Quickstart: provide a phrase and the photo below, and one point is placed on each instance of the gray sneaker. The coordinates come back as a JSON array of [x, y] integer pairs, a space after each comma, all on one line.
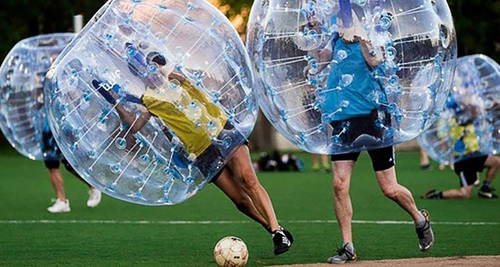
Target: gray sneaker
[[424, 233], [344, 255]]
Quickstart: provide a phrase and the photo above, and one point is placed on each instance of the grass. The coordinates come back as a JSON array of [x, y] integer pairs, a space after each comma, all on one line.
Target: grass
[[25, 193]]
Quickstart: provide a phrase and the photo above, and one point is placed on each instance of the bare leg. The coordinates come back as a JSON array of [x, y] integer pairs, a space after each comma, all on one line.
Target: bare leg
[[424, 158], [242, 201], [462, 193], [326, 162], [315, 162], [493, 164], [243, 172], [400, 194], [342, 171], [442, 167], [57, 182]]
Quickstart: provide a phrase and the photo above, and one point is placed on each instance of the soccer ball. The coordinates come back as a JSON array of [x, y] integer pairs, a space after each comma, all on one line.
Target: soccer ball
[[231, 251]]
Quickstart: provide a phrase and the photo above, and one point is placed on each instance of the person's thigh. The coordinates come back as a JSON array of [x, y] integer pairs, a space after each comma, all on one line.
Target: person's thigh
[[240, 164], [492, 161], [382, 158], [229, 186]]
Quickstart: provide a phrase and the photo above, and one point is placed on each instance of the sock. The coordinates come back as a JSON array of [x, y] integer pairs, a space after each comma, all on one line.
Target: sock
[[439, 195], [420, 222], [349, 247]]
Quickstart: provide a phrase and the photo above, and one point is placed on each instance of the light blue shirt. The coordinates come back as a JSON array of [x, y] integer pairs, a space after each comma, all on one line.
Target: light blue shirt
[[351, 90]]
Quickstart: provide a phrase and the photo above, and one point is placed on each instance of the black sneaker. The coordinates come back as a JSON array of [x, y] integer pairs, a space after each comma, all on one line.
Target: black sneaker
[[426, 167], [432, 194], [486, 192], [282, 240], [344, 255], [425, 234], [287, 234]]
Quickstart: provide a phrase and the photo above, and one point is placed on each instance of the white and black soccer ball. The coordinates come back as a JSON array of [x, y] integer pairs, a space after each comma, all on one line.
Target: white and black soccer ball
[[231, 251]]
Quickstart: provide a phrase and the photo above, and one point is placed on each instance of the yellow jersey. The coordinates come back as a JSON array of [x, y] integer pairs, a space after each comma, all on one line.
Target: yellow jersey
[[189, 113]]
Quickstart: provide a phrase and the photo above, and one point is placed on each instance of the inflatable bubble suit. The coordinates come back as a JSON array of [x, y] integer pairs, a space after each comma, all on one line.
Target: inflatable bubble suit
[[151, 98], [470, 124], [22, 116], [338, 76]]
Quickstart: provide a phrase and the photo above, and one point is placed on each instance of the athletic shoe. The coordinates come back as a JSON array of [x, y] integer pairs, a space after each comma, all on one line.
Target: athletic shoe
[[94, 198], [344, 255], [432, 194], [424, 233], [288, 235], [426, 167], [282, 241], [486, 192], [59, 207]]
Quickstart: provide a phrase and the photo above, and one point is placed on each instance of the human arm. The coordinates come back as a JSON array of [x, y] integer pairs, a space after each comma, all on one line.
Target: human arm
[[370, 56], [136, 121]]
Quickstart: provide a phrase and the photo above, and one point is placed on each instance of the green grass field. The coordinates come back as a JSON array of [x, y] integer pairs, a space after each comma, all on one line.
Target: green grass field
[[25, 193]]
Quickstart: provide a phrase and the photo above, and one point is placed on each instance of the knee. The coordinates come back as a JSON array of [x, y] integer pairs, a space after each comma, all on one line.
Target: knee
[[341, 185], [466, 192]]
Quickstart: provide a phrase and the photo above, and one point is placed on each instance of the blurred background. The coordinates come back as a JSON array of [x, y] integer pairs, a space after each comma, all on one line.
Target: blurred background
[[477, 23]]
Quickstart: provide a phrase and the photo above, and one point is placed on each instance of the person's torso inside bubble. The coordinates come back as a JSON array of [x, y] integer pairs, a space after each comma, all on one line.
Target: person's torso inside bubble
[[152, 99], [470, 123], [341, 76], [22, 114]]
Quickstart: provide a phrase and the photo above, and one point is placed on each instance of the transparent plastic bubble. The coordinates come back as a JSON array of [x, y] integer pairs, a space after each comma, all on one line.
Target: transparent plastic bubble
[[382, 67], [151, 131], [470, 124], [22, 114]]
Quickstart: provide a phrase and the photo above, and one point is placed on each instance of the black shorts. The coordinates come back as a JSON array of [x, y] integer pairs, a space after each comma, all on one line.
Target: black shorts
[[223, 168], [55, 164], [382, 158], [468, 169], [361, 125]]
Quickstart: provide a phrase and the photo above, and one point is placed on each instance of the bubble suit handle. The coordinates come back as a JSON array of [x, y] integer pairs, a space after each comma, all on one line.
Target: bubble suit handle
[[337, 76], [470, 124], [22, 114], [151, 98]]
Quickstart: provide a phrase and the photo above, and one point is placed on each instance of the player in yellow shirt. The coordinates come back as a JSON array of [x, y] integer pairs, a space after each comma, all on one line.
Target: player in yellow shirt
[[183, 110], [469, 163]]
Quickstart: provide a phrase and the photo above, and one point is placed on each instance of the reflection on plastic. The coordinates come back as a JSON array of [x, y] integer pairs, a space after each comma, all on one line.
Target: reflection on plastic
[[151, 98], [338, 76], [470, 124], [22, 116]]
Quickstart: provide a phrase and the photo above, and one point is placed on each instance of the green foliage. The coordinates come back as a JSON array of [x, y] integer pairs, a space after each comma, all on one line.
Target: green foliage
[[21, 19], [477, 23]]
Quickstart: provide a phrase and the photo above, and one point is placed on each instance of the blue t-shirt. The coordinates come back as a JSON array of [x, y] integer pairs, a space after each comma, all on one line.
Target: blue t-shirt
[[351, 90]]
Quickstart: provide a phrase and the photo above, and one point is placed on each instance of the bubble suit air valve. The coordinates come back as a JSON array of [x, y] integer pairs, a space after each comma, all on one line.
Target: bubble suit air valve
[[22, 114], [470, 124], [151, 98], [338, 76]]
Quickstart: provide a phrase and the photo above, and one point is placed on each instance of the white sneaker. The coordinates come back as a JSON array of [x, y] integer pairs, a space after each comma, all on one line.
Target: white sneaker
[[59, 206], [94, 198]]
